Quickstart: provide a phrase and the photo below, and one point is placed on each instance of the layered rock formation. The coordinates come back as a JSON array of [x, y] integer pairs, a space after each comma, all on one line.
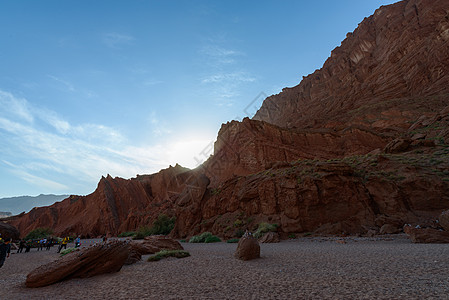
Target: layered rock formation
[[396, 56], [359, 145]]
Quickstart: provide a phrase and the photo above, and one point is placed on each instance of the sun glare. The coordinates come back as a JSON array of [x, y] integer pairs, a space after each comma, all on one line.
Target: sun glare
[[190, 153]]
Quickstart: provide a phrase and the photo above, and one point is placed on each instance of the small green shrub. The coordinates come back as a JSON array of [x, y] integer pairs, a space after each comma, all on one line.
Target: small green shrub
[[292, 236], [183, 241], [264, 228], [127, 234], [205, 237], [200, 238], [142, 232], [163, 225], [169, 253], [233, 241], [212, 239], [39, 233], [67, 251]]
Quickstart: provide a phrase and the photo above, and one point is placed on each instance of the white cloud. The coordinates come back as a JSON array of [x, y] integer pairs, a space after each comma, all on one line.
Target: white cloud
[[216, 51], [84, 152], [150, 82], [44, 183], [158, 128], [64, 83], [11, 106], [217, 56], [115, 40], [229, 77]]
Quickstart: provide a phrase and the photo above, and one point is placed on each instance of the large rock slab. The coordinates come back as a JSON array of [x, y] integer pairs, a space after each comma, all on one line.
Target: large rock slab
[[247, 249], [270, 237], [427, 235], [9, 231], [98, 259]]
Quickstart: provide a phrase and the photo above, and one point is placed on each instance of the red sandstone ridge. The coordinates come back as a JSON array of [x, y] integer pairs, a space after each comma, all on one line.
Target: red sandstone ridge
[[117, 205], [250, 146], [393, 63], [359, 145]]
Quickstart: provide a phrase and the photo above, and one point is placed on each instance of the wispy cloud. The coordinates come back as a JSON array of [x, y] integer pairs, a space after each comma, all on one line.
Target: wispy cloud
[[116, 40], [14, 107], [229, 77], [224, 76], [67, 85], [220, 56], [150, 82], [35, 180], [158, 127], [43, 149]]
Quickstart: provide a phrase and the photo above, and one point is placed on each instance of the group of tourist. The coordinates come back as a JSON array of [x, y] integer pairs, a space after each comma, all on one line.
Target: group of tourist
[[47, 243]]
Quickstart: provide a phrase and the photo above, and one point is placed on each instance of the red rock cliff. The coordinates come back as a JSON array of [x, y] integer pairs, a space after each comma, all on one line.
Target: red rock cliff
[[397, 55], [358, 144]]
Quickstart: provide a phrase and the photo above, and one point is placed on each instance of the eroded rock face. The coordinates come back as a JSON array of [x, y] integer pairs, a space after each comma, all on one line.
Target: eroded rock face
[[87, 262], [117, 205], [376, 75], [248, 248], [250, 146]]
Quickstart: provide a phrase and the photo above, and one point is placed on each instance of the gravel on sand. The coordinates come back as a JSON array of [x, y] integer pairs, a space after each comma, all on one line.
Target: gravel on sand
[[305, 268]]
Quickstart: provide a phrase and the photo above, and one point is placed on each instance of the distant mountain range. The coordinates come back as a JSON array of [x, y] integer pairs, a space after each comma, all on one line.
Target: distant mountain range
[[17, 205], [5, 214]]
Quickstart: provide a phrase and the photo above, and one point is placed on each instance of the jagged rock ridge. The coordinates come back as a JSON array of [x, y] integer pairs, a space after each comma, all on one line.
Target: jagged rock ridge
[[361, 143]]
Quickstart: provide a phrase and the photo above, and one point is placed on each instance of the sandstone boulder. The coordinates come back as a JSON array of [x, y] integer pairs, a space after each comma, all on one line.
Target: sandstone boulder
[[162, 242], [87, 262], [9, 231], [389, 229], [426, 235], [247, 249], [444, 220], [270, 237]]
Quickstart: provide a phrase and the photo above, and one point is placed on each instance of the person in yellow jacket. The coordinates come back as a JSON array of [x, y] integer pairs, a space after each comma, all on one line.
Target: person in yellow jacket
[[64, 243]]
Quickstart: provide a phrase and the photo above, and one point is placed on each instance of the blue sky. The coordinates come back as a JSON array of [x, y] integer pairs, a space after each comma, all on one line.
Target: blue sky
[[90, 88]]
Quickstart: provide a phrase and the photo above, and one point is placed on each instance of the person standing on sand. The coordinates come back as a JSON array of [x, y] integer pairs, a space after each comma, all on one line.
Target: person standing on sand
[[28, 246], [21, 246], [5, 250], [49, 243], [63, 244], [78, 242]]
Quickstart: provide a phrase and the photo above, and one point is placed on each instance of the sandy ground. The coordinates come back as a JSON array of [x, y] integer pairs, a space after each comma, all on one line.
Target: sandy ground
[[306, 268]]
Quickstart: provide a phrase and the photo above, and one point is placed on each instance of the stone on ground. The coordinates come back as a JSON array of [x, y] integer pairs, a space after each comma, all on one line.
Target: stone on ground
[[426, 235], [248, 248], [86, 262]]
